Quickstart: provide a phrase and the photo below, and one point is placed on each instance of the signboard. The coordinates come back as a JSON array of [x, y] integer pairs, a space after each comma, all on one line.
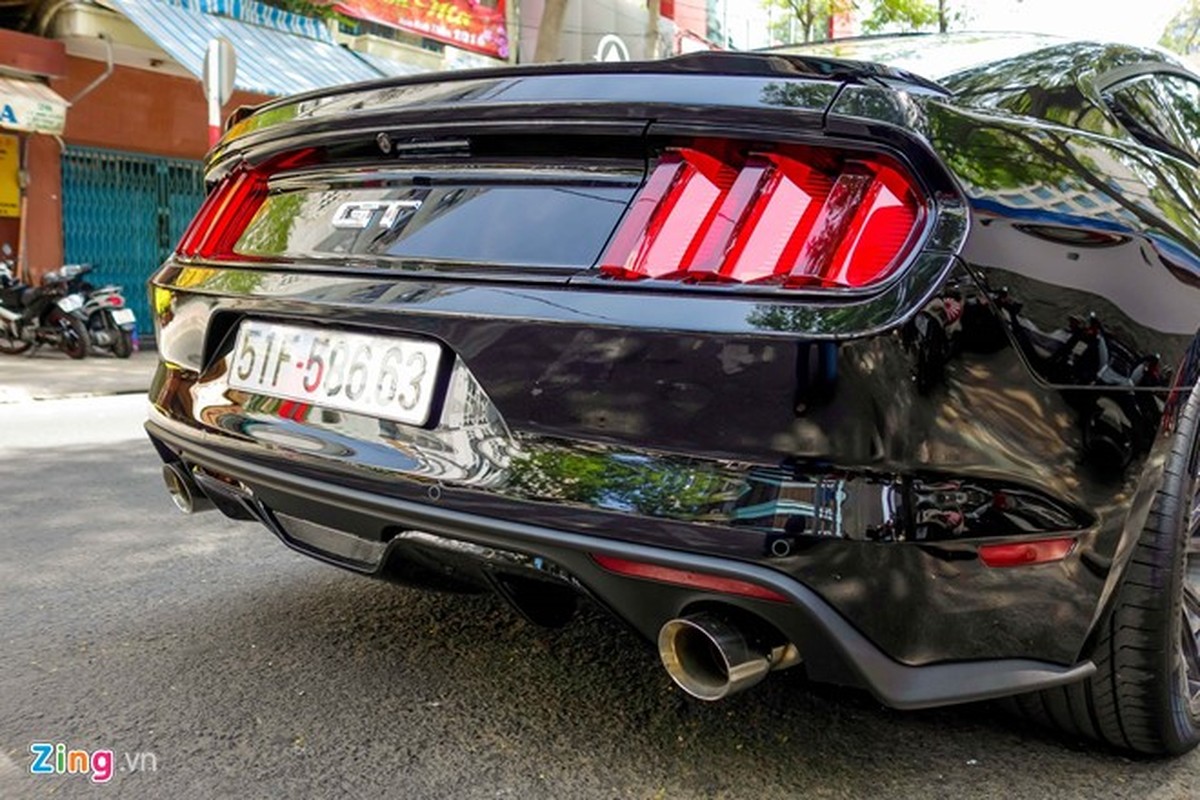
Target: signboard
[[220, 66], [476, 25], [29, 106], [612, 48], [596, 30], [10, 176]]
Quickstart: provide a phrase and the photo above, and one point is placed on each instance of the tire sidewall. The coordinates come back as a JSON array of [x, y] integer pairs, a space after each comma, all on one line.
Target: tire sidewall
[[1179, 486]]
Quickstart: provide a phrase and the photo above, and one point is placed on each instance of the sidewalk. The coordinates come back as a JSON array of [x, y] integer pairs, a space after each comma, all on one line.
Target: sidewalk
[[50, 374]]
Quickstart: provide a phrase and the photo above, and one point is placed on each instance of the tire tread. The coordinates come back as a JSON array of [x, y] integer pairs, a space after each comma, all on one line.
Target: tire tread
[[1130, 702]]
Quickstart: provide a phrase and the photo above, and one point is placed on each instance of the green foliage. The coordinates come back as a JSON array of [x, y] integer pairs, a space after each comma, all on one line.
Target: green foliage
[[1182, 33], [307, 8], [657, 487], [902, 15], [811, 16]]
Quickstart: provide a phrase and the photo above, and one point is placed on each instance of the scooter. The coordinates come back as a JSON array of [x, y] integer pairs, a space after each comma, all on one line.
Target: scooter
[[110, 325], [38, 315]]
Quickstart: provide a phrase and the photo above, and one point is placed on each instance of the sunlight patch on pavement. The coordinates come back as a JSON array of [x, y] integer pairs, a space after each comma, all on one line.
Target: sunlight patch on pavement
[[8, 769], [72, 421]]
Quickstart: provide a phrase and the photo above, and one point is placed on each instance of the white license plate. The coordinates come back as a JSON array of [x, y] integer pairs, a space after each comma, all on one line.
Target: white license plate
[[124, 316], [379, 376], [71, 302]]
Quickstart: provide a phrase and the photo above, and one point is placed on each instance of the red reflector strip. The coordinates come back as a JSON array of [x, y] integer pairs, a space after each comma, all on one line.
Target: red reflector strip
[[1020, 554], [683, 577]]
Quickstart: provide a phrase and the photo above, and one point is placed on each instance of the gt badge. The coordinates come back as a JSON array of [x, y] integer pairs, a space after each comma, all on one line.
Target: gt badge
[[359, 214]]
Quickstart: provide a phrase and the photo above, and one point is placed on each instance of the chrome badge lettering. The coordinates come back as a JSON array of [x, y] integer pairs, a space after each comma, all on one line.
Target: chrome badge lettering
[[358, 214]]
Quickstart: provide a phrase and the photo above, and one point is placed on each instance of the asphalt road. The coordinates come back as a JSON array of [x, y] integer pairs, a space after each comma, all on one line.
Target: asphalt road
[[248, 671]]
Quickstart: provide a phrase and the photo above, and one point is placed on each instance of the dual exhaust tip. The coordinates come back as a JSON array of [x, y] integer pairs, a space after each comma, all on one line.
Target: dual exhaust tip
[[181, 486], [712, 656]]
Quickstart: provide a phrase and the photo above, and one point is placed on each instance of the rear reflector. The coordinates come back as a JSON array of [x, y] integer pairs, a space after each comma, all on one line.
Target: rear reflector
[[230, 207], [682, 577], [1042, 551], [801, 217]]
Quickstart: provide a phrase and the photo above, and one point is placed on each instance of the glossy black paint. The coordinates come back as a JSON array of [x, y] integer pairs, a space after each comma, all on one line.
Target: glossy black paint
[[1018, 379]]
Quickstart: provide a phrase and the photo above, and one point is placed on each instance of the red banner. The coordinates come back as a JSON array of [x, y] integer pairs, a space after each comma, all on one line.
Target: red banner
[[476, 25]]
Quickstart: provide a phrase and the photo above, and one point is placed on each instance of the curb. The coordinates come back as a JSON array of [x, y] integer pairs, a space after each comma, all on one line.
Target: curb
[[16, 396]]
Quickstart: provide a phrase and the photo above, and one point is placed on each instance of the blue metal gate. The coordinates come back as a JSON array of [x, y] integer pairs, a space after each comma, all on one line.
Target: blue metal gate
[[124, 212]]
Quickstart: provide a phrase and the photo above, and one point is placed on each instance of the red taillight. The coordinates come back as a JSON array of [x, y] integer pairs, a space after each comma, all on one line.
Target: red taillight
[[802, 217], [229, 208], [683, 577], [1041, 551]]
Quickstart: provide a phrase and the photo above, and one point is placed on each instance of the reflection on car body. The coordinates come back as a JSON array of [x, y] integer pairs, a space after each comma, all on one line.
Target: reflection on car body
[[875, 359]]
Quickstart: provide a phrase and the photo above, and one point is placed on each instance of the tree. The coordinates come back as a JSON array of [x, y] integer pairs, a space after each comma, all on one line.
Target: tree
[[1182, 33], [811, 16], [907, 15], [946, 16], [550, 31], [654, 12]]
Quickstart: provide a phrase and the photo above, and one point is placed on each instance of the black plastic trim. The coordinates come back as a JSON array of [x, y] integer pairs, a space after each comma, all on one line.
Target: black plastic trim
[[895, 684]]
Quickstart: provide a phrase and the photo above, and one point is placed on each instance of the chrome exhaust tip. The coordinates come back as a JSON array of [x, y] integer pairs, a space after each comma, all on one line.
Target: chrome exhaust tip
[[184, 492], [711, 658]]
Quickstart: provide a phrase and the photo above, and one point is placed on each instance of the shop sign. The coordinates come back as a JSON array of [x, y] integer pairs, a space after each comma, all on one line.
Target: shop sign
[[10, 176], [476, 25], [27, 106]]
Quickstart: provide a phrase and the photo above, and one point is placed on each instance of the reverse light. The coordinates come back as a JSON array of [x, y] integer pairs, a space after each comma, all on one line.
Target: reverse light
[[1020, 554], [683, 577], [227, 212], [800, 217]]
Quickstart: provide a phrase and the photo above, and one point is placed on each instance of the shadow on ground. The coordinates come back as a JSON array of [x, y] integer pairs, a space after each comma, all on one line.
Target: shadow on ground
[[251, 671]]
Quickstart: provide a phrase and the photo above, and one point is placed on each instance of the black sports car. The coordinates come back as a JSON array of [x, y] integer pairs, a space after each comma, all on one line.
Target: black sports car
[[788, 359]]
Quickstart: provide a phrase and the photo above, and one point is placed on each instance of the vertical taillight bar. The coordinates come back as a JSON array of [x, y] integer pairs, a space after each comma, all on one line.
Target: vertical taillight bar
[[233, 203]]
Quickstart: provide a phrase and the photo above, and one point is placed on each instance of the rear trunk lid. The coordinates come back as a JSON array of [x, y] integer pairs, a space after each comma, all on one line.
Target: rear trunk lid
[[715, 169], [525, 170]]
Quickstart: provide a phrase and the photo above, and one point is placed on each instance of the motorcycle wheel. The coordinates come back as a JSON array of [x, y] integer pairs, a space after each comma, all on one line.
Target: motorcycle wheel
[[74, 340], [13, 347], [119, 340], [122, 346]]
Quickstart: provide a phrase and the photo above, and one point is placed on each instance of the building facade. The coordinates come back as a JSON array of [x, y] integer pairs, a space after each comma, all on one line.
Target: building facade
[[112, 171]]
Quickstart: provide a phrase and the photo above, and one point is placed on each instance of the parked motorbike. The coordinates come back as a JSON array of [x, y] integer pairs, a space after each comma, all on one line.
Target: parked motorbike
[[38, 315], [110, 325]]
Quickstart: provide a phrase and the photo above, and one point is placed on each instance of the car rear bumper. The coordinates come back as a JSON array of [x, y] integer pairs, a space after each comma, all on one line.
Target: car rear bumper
[[461, 543], [794, 438]]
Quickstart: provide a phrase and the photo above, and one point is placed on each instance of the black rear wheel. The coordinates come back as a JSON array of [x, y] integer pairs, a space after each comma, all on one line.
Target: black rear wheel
[[1145, 695], [74, 341]]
